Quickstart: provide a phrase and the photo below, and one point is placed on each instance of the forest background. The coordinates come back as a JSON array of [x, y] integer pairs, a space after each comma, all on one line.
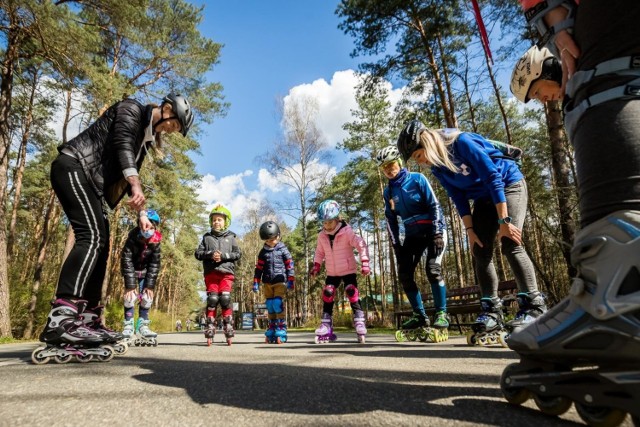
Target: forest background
[[81, 56]]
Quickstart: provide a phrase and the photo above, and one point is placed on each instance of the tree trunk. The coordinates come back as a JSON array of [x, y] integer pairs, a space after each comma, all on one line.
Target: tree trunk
[[51, 212], [561, 169], [6, 89]]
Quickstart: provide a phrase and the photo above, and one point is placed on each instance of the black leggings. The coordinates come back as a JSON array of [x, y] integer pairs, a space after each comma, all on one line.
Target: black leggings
[[84, 269]]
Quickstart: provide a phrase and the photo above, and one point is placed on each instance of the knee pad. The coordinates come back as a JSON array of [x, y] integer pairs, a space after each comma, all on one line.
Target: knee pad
[[145, 301], [130, 301], [277, 305], [212, 300], [352, 293], [269, 304], [225, 300], [328, 293], [434, 272]]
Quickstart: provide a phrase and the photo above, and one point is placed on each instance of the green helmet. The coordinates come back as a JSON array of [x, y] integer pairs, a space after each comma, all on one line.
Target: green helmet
[[220, 209]]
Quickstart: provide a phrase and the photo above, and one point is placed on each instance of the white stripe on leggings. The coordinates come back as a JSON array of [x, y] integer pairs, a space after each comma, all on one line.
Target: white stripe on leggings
[[92, 252]]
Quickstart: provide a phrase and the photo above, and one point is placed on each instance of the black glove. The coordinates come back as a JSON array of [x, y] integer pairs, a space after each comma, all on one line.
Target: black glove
[[438, 244]]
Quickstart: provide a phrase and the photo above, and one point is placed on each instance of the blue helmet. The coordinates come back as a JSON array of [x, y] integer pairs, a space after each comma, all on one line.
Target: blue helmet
[[153, 216], [328, 210]]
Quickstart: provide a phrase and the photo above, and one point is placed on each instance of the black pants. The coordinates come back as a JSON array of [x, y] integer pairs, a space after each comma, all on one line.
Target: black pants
[[84, 269]]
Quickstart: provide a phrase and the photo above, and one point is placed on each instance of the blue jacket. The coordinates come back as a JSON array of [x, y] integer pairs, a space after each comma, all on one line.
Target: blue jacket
[[414, 201], [483, 174], [274, 265]]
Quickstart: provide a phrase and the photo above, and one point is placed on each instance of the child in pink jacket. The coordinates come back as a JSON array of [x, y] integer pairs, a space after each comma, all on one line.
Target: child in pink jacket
[[335, 247]]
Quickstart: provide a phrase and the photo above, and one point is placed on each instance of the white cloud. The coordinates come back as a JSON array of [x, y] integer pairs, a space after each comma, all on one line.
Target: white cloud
[[268, 182], [232, 192], [336, 100]]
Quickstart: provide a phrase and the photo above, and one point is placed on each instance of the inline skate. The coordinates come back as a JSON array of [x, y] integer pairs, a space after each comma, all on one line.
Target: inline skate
[[360, 326], [531, 305], [281, 331], [270, 333], [440, 330], [93, 319], [489, 328], [128, 332], [227, 327], [417, 327], [586, 349], [210, 330], [67, 337], [145, 336], [324, 333]]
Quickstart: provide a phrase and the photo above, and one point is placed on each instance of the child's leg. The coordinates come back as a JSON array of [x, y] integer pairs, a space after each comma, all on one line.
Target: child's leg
[[224, 293], [353, 295]]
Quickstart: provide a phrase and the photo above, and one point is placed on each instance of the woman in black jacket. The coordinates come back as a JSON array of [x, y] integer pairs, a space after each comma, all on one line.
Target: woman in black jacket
[[99, 166]]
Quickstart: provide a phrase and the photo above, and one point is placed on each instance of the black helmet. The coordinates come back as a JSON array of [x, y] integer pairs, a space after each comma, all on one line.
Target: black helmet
[[182, 109], [409, 141], [269, 230]]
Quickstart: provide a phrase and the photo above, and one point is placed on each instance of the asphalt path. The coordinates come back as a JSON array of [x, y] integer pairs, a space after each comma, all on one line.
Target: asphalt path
[[182, 382]]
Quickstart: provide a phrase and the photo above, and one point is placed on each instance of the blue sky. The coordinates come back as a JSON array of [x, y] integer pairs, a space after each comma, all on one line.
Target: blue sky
[[271, 49]]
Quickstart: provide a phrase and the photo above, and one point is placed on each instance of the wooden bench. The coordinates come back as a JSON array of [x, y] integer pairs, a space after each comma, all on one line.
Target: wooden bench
[[462, 301]]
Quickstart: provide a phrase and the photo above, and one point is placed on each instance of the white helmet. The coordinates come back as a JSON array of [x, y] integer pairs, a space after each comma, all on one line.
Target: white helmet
[[527, 70], [388, 154]]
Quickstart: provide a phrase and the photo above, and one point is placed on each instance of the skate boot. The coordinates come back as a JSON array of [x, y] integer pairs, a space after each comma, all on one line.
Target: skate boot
[[229, 333], [531, 306], [66, 336], [93, 319], [417, 327], [586, 349], [210, 330], [146, 337], [281, 331], [128, 332], [359, 325], [324, 333], [270, 333], [440, 331], [488, 328]]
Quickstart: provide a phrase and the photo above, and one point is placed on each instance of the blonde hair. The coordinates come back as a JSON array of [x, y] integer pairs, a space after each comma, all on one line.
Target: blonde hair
[[435, 144]]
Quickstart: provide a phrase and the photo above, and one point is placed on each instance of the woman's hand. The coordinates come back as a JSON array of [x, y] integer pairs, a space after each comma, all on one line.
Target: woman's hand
[[510, 231], [136, 199], [473, 239]]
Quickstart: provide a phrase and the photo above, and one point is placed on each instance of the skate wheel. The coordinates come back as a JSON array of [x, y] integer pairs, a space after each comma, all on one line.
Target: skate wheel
[[472, 340], [600, 416], [424, 335], [109, 354], [400, 336], [279, 340], [37, 358], [513, 395], [502, 338], [266, 340], [317, 340], [84, 358], [120, 348], [209, 340], [62, 358], [155, 343], [361, 339], [552, 405], [228, 341], [412, 336]]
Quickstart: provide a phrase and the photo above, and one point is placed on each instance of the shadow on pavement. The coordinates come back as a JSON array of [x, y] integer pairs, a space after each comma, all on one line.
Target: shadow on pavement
[[281, 388]]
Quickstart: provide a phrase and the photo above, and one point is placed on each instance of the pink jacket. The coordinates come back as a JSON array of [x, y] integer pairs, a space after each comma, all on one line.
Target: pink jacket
[[339, 259]]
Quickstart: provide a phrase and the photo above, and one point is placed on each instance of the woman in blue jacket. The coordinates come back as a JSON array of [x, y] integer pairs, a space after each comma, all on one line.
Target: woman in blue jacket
[[409, 199], [470, 168]]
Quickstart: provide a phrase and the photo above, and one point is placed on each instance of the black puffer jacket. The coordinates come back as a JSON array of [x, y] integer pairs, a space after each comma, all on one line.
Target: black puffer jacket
[[111, 145], [275, 264], [226, 244], [140, 258]]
